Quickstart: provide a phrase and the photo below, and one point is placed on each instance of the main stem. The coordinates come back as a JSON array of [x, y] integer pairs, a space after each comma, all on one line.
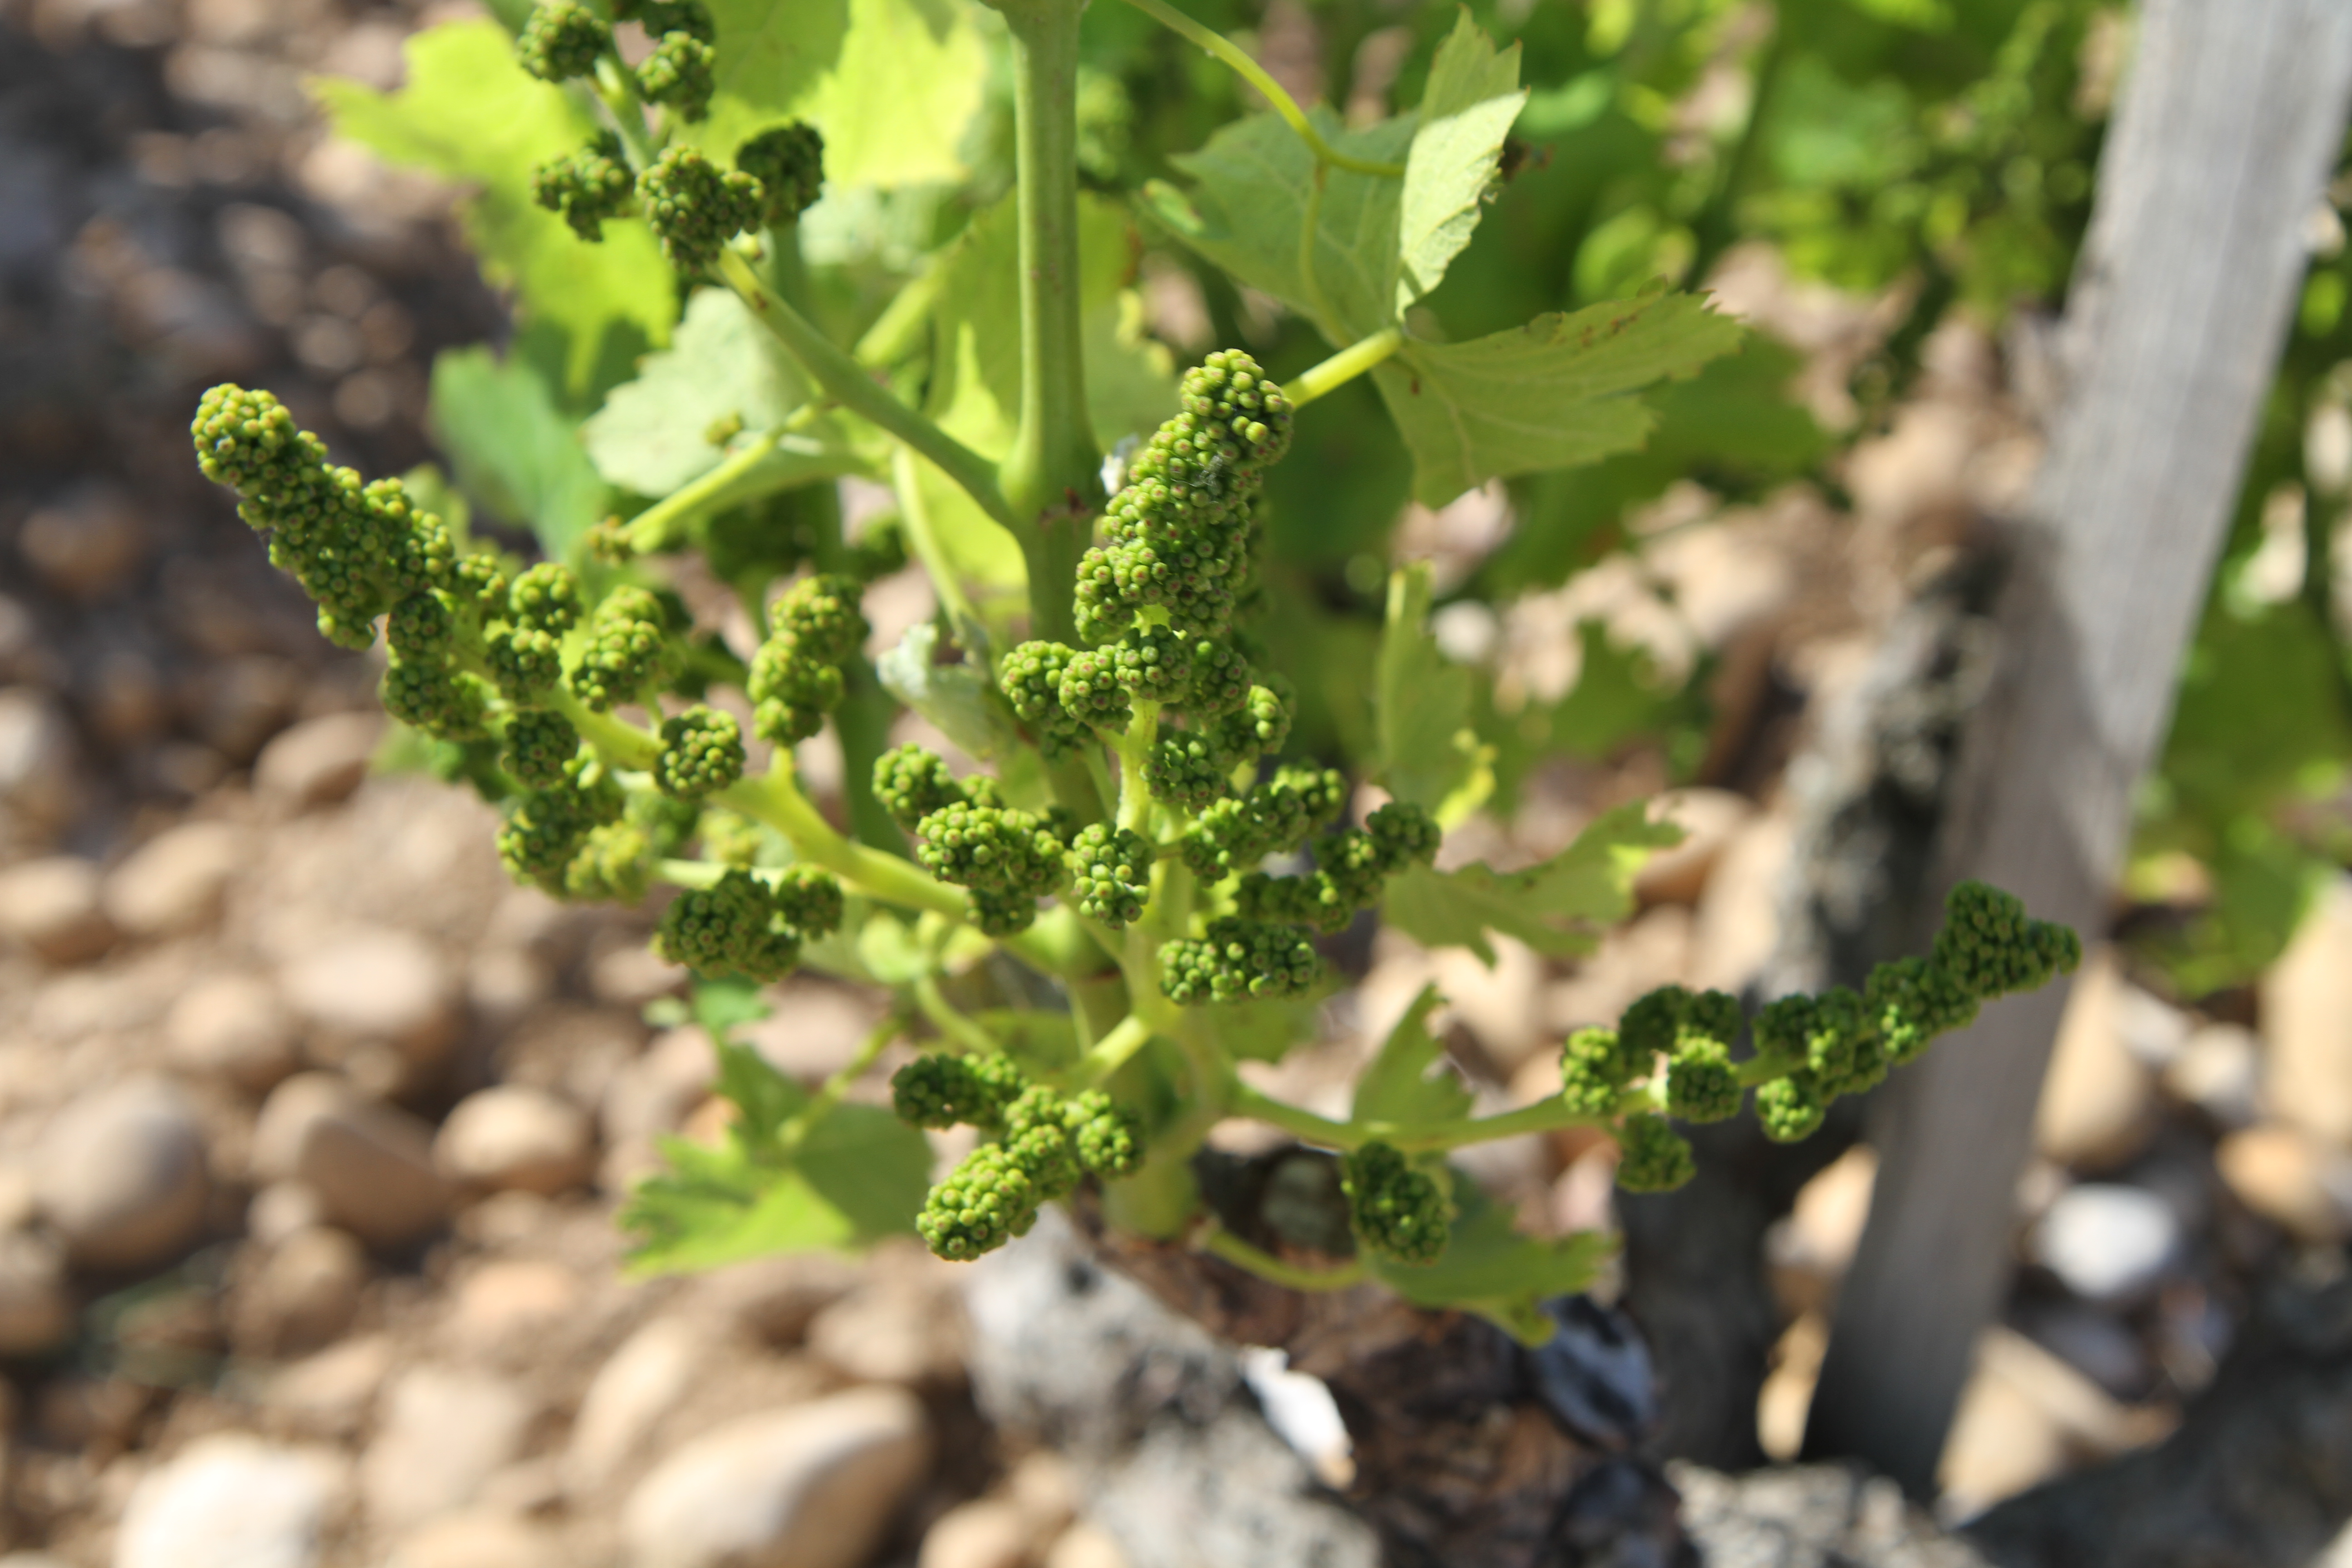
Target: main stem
[[1052, 479]]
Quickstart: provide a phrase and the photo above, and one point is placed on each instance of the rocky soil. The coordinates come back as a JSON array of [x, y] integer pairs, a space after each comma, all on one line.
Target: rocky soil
[[313, 1128]]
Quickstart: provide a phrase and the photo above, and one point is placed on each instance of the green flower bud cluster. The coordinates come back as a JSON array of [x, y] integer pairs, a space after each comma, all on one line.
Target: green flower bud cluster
[[1110, 871], [1044, 1143], [588, 186], [789, 163], [796, 677], [1232, 836], [538, 747], [912, 783], [1236, 958], [702, 753], [694, 206], [745, 925], [628, 650], [1187, 769], [544, 828], [1177, 535], [1401, 1213], [1261, 725], [678, 75], [1351, 868], [562, 39], [1031, 679], [1651, 1156], [998, 848]]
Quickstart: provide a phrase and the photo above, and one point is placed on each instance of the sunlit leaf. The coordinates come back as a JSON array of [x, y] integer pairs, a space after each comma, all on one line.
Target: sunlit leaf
[[1557, 907], [513, 448], [1408, 1081], [1429, 754]]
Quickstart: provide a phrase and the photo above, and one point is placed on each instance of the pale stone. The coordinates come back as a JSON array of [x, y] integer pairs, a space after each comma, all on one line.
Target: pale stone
[[636, 1386], [1739, 925], [892, 1334], [335, 1388], [282, 1210], [1085, 1546], [443, 1434], [2098, 1102], [815, 1028], [479, 1540], [233, 1026], [1809, 1250], [2290, 1179], [2106, 1242], [122, 1176], [502, 1305], [52, 906], [1710, 819], [2219, 1070], [515, 1138], [811, 1487], [2306, 1016], [305, 1294], [174, 882], [382, 988], [231, 1501], [319, 762], [39, 760], [986, 1532], [775, 1299], [370, 1165], [1503, 1005], [36, 1313], [2026, 1415], [87, 544]]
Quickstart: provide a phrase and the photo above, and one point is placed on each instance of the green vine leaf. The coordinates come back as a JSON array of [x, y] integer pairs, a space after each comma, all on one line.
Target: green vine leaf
[[1408, 1081], [892, 84], [1488, 1267], [1428, 756], [859, 1176], [470, 114], [653, 435], [1473, 95], [961, 700], [1560, 391], [513, 448], [1557, 907]]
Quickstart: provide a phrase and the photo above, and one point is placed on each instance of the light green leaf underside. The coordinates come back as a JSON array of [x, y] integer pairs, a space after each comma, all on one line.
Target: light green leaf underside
[[1407, 1082], [653, 435], [1560, 391], [892, 84], [1428, 756], [1247, 209], [1473, 95], [1559, 907], [469, 113], [957, 697], [513, 448]]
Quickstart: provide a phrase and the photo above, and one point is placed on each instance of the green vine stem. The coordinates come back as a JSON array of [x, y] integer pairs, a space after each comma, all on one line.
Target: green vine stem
[[1357, 358], [1216, 1238], [616, 85], [848, 383], [1250, 72], [1543, 1116], [1052, 479]]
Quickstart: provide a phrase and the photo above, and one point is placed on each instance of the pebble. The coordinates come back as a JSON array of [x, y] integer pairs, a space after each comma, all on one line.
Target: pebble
[[2106, 1242], [280, 1210], [776, 1299], [305, 1294], [86, 544], [36, 1313], [892, 1334], [504, 1305], [1085, 1545], [1737, 922], [1502, 1004], [231, 1501], [52, 907], [2306, 1016], [377, 988], [1809, 1250], [2220, 1071], [516, 1137], [174, 882], [636, 1386], [1709, 820], [370, 1165], [651, 1096], [2098, 1103], [122, 1176], [318, 761], [443, 1432], [2290, 1179], [986, 1532], [815, 1027], [335, 1388], [814, 1486], [233, 1027], [39, 761], [479, 1540]]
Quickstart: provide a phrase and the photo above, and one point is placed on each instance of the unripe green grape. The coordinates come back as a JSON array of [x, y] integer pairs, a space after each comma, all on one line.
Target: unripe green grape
[[1259, 728], [1653, 1157], [545, 598], [911, 782], [1000, 849], [1400, 1214], [822, 612], [538, 747], [660, 17], [1701, 1083], [422, 628], [587, 187], [702, 753], [1592, 1072], [613, 863], [1153, 663], [789, 163], [808, 900], [1001, 915], [1185, 769], [524, 664], [939, 1091], [1790, 1109], [1110, 874], [628, 649], [984, 1202], [1090, 691], [678, 75], [1221, 681], [448, 705], [1403, 834], [695, 207], [1235, 959], [562, 39], [1109, 1138], [1031, 679]]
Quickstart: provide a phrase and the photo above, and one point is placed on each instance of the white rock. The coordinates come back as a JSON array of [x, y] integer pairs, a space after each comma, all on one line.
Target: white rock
[[380, 987], [319, 762], [2306, 1016], [335, 1388], [2219, 1070], [479, 1540], [2290, 1179], [52, 906], [986, 1532], [1502, 1004], [443, 1432], [122, 1176], [636, 1387], [892, 1332], [35, 1311], [305, 1294], [370, 1165], [175, 882], [1085, 1545], [2098, 1103], [282, 1210], [231, 1501], [507, 1304], [2108, 1242], [517, 1138], [1737, 925], [233, 1026], [811, 1487], [1709, 820]]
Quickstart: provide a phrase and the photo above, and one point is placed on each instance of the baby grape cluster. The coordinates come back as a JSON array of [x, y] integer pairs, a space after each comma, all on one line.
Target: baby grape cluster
[[1042, 1143], [748, 924]]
